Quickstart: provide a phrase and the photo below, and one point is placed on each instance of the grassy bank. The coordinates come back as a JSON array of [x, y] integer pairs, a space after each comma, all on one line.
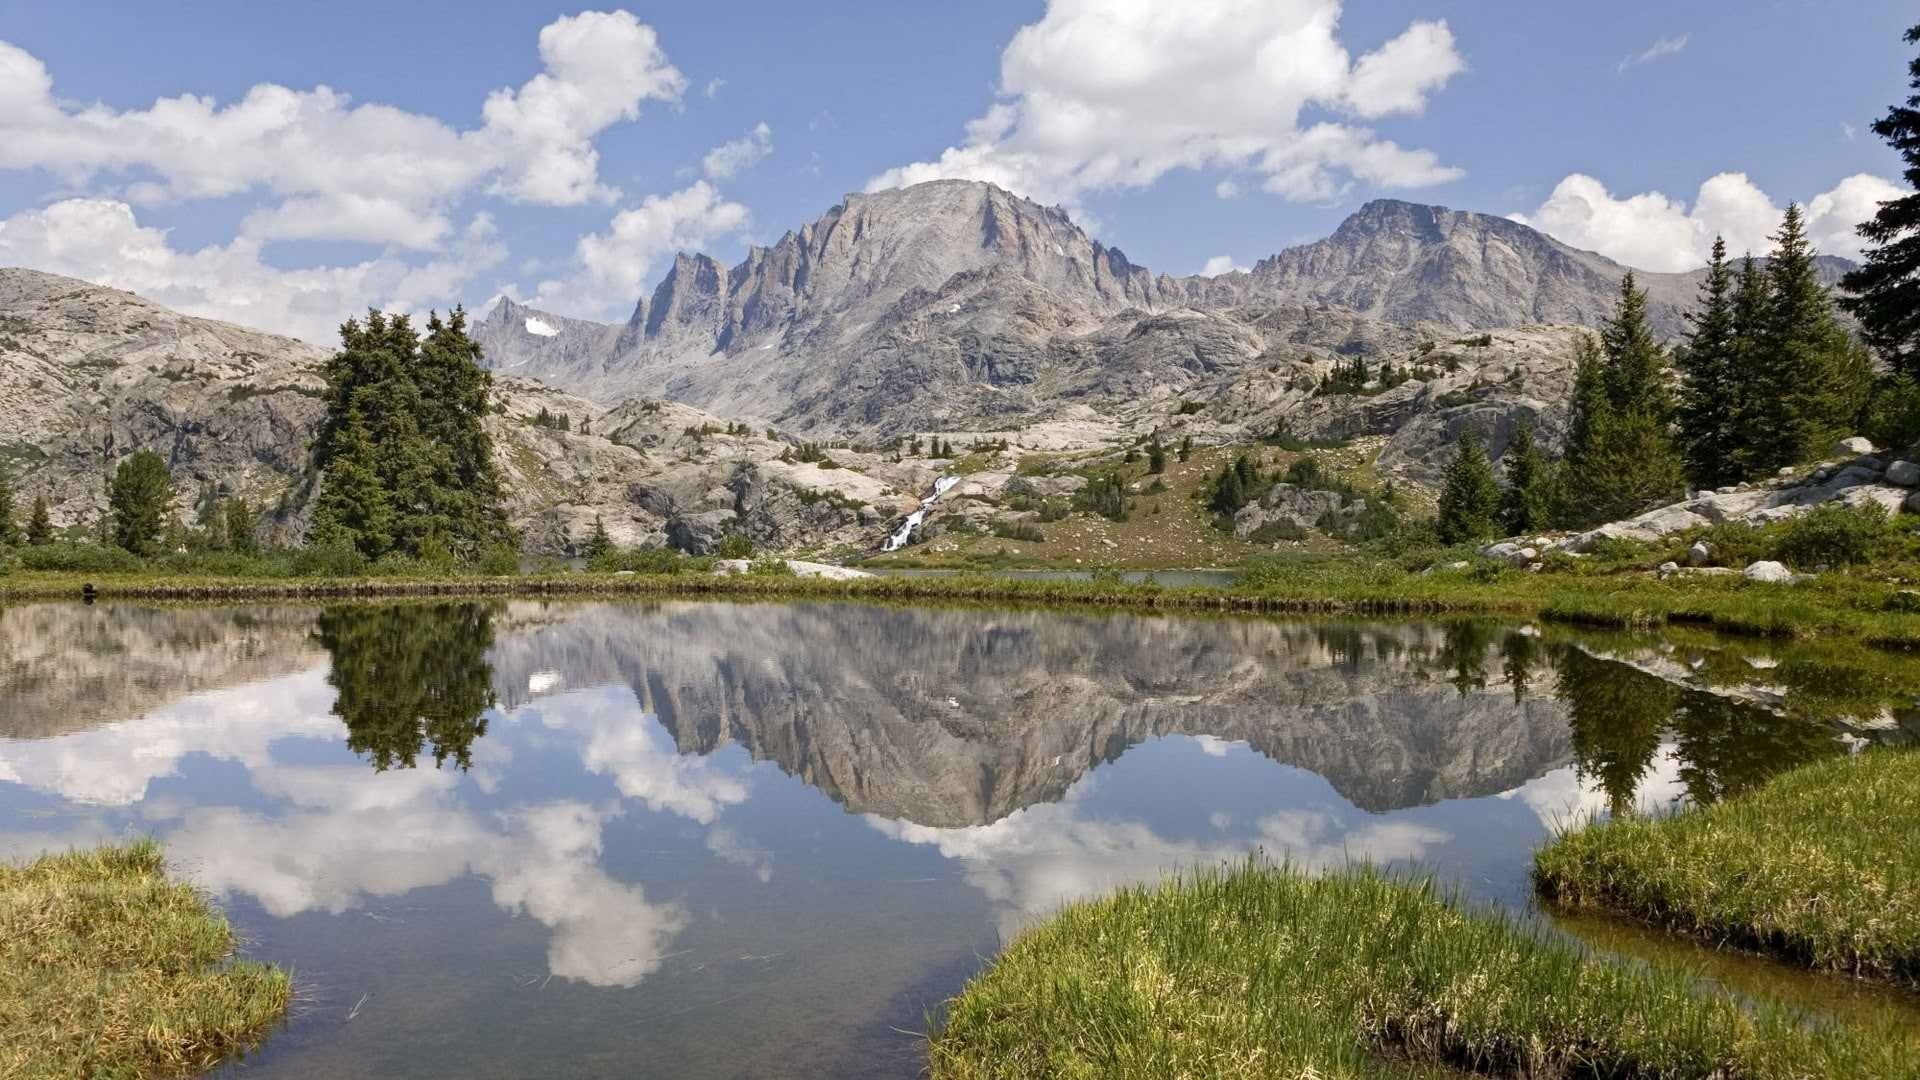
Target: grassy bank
[[1833, 606], [108, 969], [1817, 866], [1263, 972]]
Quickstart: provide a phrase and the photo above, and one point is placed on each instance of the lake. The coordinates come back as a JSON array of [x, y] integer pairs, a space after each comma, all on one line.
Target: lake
[[714, 839]]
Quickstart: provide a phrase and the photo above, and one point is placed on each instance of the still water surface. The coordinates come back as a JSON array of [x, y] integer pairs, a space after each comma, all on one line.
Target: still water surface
[[734, 840]]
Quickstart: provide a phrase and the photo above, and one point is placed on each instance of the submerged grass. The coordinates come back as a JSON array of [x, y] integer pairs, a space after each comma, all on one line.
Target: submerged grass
[[107, 969], [1817, 866], [1263, 972]]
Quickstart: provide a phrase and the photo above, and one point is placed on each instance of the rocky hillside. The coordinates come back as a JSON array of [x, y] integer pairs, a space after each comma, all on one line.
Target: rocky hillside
[[957, 304]]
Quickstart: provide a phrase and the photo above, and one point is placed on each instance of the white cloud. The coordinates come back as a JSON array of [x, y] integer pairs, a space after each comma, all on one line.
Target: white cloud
[[1654, 232], [1848, 131], [342, 171], [612, 266], [723, 161], [1669, 46], [1117, 93], [713, 86], [1221, 264], [100, 240], [1227, 189]]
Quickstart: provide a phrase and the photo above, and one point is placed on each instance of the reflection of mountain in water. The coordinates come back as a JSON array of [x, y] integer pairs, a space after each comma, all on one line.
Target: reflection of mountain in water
[[65, 667], [960, 717]]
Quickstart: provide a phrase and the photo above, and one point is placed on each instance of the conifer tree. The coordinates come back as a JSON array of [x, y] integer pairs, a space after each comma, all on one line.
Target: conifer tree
[[1620, 453], [1470, 502], [39, 523], [1809, 362], [140, 500], [1758, 413], [239, 521], [456, 389], [9, 527], [353, 508], [1710, 388], [1886, 290], [598, 542], [1525, 504], [1156, 457]]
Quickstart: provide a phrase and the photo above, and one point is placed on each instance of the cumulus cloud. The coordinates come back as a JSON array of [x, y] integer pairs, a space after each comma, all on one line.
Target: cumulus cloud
[[1117, 93], [1669, 46], [1654, 232], [100, 240], [367, 172], [723, 161], [611, 266], [1221, 264]]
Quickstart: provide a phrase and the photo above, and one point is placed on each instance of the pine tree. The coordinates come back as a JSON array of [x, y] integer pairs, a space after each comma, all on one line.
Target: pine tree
[[1470, 502], [456, 389], [40, 523], [598, 543], [1886, 290], [1808, 359], [9, 528], [140, 500], [353, 508], [1620, 453], [1525, 504], [1156, 457], [1710, 390], [239, 521], [1758, 410]]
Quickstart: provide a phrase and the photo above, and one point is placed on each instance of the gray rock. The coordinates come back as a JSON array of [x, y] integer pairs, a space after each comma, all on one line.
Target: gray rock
[[1904, 474], [1852, 447], [1912, 503], [1700, 554], [1668, 568], [1768, 571], [1503, 550]]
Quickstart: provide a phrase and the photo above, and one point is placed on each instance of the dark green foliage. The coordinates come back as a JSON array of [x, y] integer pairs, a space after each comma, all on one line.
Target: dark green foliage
[[551, 420], [1018, 530], [79, 558], [1106, 496], [1808, 374], [408, 676], [1527, 503], [238, 526], [1238, 484], [1470, 501], [1886, 290], [1892, 415], [9, 524], [1345, 378], [140, 499], [1186, 447], [1156, 458], [1835, 535], [598, 542], [1620, 453], [660, 560], [735, 546], [1712, 387], [39, 523], [1188, 408], [405, 461], [1616, 715]]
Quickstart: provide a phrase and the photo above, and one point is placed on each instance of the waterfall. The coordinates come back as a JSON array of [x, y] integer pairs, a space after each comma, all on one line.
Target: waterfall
[[905, 532]]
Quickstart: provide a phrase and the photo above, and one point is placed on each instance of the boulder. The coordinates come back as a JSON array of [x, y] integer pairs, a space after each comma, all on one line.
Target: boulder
[[1503, 550], [1904, 474], [1887, 497], [800, 568], [1768, 571], [1668, 520], [1912, 504], [1668, 568], [1584, 542], [1853, 447], [1700, 554]]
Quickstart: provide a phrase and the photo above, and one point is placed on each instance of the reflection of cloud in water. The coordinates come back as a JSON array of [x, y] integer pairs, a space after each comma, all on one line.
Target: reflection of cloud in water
[[1561, 797], [1037, 859], [628, 744], [737, 849], [112, 765]]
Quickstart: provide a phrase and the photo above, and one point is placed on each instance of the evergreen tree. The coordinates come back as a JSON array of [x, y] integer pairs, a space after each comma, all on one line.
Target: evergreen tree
[[1710, 388], [598, 543], [40, 523], [1156, 457], [1186, 447], [1620, 453], [1886, 290], [239, 521], [1525, 505], [353, 509], [1470, 502], [9, 528], [457, 388], [1756, 414], [140, 500], [1809, 360]]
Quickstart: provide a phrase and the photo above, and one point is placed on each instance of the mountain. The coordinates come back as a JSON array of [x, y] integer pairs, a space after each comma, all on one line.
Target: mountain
[[955, 304]]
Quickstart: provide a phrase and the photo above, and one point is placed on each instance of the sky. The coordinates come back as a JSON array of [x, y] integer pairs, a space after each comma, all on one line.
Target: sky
[[286, 165]]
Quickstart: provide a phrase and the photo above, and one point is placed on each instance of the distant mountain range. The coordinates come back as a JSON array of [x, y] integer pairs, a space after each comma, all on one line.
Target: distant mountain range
[[956, 303]]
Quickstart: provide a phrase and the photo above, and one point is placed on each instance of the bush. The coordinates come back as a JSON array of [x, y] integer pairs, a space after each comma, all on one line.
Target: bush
[[659, 560], [80, 559], [1892, 417], [1274, 532], [501, 560], [1837, 536], [225, 564], [1019, 530], [329, 560], [735, 546], [769, 566]]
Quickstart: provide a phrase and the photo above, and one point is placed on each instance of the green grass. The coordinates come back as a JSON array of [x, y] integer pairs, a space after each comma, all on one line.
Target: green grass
[[1267, 973], [107, 969], [1818, 866]]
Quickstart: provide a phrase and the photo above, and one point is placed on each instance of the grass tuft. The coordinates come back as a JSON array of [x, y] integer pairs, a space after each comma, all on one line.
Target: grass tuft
[[107, 969], [1817, 866], [1263, 972]]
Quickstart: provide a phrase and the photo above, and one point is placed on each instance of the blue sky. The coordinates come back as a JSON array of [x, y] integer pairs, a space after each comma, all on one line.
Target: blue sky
[[1207, 131]]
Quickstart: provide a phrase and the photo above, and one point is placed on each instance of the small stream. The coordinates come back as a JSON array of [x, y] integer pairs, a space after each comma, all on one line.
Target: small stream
[[904, 533]]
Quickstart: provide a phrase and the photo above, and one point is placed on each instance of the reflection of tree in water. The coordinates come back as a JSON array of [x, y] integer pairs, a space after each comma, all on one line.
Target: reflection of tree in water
[[408, 675], [1463, 652], [1616, 714], [1520, 654], [1726, 747]]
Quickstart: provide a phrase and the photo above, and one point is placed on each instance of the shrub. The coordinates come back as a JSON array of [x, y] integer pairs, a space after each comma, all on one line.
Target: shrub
[[735, 546], [769, 566], [657, 560], [329, 560], [1019, 530], [80, 559], [501, 560], [1275, 531], [1836, 535], [1892, 416]]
